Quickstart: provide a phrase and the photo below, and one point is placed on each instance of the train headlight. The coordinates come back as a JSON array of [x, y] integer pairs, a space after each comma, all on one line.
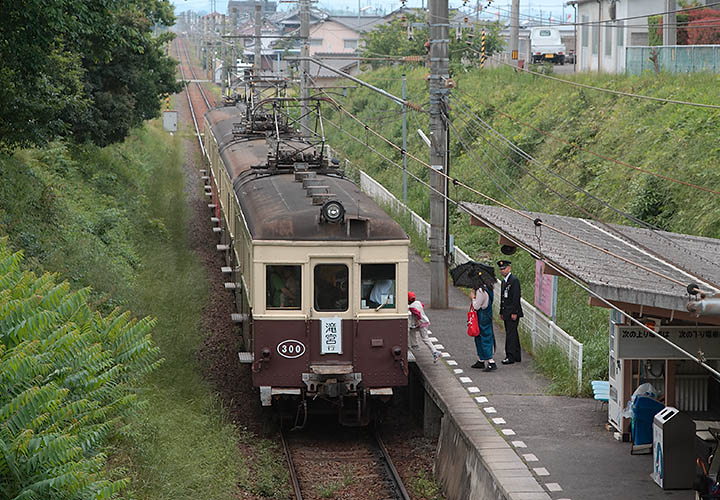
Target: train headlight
[[333, 212]]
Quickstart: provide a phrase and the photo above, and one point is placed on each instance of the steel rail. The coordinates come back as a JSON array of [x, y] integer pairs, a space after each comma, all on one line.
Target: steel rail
[[390, 468], [192, 71], [291, 466], [187, 94]]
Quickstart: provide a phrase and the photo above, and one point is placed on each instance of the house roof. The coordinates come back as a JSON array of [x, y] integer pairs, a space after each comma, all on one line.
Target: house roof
[[340, 64], [685, 258], [363, 23]]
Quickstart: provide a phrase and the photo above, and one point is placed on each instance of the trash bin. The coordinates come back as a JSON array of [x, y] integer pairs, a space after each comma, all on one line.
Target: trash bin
[[673, 449], [644, 410]]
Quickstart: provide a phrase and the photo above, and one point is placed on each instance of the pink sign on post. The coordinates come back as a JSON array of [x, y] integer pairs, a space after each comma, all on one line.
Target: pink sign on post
[[545, 290]]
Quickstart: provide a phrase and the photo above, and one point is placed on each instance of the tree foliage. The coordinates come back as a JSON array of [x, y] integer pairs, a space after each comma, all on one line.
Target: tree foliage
[[391, 39], [694, 27], [83, 70], [67, 379]]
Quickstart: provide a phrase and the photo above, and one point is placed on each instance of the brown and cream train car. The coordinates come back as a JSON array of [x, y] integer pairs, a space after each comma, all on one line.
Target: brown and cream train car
[[321, 272]]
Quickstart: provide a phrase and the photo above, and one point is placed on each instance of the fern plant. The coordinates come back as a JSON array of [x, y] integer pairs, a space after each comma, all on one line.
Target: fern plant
[[67, 379]]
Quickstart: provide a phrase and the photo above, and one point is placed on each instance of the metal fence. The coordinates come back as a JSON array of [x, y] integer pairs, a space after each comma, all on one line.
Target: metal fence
[[673, 59], [541, 330]]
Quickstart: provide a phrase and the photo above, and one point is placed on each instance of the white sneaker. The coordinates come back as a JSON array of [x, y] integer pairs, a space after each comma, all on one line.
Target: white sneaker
[[436, 356]]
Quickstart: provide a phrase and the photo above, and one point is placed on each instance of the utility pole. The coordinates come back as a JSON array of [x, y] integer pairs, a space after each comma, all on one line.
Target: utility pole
[[404, 138], [669, 23], [304, 64], [514, 29], [258, 52], [439, 77], [477, 11]]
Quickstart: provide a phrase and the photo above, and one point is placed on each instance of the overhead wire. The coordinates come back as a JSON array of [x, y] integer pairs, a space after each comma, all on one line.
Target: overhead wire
[[700, 360], [655, 229], [489, 198]]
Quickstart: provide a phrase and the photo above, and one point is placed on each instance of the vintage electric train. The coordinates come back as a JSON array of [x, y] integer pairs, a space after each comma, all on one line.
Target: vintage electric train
[[320, 271]]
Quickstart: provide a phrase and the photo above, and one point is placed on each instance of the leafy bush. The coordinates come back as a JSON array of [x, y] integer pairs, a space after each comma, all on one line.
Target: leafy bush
[[67, 379]]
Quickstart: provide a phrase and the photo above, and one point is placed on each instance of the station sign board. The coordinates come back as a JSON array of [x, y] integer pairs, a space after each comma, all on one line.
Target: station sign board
[[634, 342]]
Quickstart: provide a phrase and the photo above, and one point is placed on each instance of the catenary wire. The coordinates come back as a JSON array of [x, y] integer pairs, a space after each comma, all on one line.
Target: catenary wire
[[699, 360], [517, 212], [593, 217]]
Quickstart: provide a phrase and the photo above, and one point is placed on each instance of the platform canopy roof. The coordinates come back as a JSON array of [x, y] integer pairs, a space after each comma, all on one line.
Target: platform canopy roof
[[625, 265]]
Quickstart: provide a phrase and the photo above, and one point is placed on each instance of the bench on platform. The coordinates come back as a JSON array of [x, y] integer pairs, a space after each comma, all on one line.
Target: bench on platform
[[601, 391]]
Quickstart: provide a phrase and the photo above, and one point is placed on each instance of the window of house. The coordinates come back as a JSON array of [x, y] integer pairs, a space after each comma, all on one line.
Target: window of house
[[608, 40], [377, 286], [350, 44], [595, 38], [282, 286], [585, 30], [315, 42], [620, 33], [331, 287]]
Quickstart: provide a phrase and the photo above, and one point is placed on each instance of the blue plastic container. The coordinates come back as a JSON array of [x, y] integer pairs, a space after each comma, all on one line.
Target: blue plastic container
[[644, 410]]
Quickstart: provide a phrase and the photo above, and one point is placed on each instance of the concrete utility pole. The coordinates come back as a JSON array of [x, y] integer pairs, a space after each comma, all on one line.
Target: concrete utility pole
[[669, 23], [404, 137], [305, 64], [257, 66], [514, 29], [439, 77]]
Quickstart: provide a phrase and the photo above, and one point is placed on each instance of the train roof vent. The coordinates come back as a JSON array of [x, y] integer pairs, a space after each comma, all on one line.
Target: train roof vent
[[321, 198], [302, 175], [357, 227]]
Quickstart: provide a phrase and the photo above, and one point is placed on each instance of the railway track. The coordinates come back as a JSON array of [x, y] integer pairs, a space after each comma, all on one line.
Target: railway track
[[338, 462], [341, 463], [197, 98]]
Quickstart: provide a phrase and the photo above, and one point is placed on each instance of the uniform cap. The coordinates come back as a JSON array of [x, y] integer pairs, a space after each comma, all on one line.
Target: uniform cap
[[503, 263], [411, 296]]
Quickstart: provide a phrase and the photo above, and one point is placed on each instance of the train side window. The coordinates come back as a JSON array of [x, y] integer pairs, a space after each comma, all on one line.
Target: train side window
[[378, 286], [331, 287], [282, 285]]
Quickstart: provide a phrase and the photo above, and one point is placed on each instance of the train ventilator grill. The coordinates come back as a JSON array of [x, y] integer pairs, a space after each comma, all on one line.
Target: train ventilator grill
[[691, 392]]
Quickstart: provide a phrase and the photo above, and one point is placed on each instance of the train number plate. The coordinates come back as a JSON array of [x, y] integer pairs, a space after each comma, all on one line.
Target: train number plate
[[291, 348], [331, 336]]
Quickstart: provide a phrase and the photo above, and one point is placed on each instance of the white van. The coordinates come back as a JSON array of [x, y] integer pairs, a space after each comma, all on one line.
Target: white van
[[546, 45]]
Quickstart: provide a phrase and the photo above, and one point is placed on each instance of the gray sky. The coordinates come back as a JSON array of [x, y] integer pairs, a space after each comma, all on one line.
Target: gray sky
[[528, 8]]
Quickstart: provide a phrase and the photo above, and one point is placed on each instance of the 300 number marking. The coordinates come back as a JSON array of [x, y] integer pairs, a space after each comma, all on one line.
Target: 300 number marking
[[291, 349]]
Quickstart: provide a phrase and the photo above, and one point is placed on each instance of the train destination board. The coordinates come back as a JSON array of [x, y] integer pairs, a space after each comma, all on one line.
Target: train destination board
[[633, 342]]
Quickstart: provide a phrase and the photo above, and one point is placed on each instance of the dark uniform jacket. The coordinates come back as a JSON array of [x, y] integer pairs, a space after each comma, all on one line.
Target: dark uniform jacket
[[510, 298]]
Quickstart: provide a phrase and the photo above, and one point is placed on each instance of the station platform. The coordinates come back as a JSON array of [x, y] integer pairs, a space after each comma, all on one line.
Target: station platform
[[535, 446]]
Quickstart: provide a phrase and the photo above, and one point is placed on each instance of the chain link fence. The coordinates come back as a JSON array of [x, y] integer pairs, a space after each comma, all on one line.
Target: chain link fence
[[673, 59]]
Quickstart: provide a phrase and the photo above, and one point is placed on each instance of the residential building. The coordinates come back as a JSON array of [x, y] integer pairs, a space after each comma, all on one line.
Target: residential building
[[601, 46]]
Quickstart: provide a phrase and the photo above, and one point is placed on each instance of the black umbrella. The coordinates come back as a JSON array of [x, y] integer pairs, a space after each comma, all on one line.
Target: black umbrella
[[473, 275]]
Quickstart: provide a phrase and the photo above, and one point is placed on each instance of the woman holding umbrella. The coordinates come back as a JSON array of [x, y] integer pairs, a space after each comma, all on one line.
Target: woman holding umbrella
[[480, 278], [481, 300]]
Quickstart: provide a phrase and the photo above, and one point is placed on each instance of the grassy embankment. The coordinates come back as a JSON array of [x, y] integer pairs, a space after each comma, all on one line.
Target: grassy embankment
[[115, 219], [673, 140]]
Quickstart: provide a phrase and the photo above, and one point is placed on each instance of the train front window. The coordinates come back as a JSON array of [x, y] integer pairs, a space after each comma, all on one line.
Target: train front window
[[282, 284], [378, 286], [331, 287]]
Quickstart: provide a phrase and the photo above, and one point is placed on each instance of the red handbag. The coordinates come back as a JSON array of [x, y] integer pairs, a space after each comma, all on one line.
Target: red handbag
[[472, 323]]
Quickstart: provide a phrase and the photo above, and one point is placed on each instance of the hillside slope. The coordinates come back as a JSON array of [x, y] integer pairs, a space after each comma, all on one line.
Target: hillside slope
[[670, 140]]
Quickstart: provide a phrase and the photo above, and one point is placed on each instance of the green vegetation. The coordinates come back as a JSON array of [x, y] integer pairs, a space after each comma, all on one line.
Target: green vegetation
[[85, 71], [423, 486], [68, 380], [667, 139], [391, 39], [115, 219]]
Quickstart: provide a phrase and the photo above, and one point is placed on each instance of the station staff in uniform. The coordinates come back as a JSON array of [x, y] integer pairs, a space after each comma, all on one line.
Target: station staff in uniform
[[510, 312]]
